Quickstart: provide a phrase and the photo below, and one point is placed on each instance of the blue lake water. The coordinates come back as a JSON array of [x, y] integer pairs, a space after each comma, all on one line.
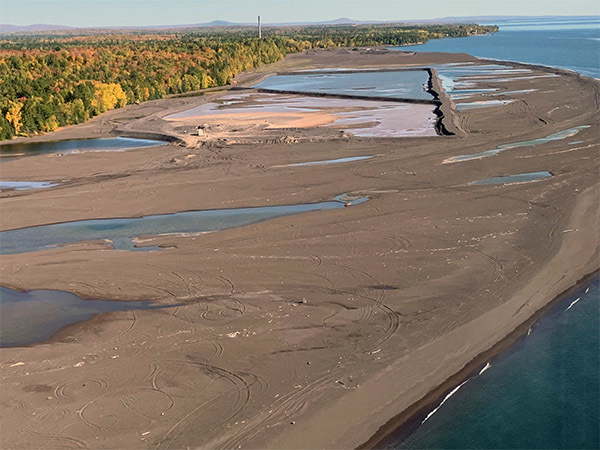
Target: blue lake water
[[544, 393], [120, 232], [408, 84], [569, 44], [34, 316], [9, 151]]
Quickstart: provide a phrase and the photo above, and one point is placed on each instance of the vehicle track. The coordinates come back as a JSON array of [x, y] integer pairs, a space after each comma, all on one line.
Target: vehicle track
[[240, 388]]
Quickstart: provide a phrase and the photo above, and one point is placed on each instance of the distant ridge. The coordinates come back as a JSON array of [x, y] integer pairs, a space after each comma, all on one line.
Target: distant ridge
[[7, 28]]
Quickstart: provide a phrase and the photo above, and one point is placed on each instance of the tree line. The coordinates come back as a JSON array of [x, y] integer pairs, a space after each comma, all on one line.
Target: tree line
[[47, 81]]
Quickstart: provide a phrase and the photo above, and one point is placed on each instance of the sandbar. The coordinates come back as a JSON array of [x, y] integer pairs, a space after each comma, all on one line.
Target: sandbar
[[307, 331]]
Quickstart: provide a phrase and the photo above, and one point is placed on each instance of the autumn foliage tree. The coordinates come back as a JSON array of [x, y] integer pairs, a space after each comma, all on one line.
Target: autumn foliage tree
[[50, 81], [107, 96]]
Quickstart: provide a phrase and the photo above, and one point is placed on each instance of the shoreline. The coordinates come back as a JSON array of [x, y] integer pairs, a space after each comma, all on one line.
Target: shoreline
[[142, 216], [345, 317], [402, 426], [254, 77]]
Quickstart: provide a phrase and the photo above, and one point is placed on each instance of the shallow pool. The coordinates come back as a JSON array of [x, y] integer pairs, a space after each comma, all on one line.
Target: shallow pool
[[402, 84], [481, 104], [513, 179], [553, 137], [8, 151], [34, 316], [120, 232], [24, 185], [330, 161]]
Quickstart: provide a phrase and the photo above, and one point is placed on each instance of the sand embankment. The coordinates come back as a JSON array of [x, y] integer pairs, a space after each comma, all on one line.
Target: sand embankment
[[307, 331]]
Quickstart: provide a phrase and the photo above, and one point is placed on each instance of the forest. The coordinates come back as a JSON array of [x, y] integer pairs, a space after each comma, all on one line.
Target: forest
[[48, 81]]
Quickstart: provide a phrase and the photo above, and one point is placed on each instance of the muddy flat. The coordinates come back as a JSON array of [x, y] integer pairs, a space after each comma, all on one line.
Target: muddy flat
[[314, 329]]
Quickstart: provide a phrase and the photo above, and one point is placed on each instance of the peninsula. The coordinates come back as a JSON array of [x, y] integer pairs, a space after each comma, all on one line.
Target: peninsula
[[314, 329]]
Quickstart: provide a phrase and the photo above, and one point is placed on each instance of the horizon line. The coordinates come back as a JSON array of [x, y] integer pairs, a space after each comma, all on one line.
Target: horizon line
[[226, 23]]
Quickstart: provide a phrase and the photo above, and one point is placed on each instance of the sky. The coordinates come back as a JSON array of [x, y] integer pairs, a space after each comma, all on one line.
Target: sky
[[86, 13]]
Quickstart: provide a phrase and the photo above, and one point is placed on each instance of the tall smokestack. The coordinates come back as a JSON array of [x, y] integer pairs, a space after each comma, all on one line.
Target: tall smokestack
[[259, 29]]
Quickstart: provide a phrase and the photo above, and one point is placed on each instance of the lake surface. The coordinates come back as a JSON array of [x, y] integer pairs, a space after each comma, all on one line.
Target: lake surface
[[542, 394], [34, 316], [8, 151], [407, 84], [120, 232], [570, 44]]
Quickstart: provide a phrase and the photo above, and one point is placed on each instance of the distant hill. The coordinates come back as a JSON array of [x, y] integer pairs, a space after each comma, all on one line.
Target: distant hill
[[41, 27], [218, 23], [6, 28], [341, 20]]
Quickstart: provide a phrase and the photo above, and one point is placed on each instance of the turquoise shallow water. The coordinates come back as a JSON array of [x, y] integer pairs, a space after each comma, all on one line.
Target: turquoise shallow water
[[543, 394]]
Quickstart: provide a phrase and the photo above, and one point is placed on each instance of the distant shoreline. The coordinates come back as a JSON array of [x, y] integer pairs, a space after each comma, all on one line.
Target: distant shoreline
[[9, 28]]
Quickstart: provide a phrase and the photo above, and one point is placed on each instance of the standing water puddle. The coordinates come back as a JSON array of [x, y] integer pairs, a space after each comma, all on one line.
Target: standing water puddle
[[8, 151], [454, 76], [514, 179], [34, 316], [120, 231], [481, 104], [460, 81], [459, 94], [24, 185], [553, 137], [396, 84], [329, 161], [365, 118]]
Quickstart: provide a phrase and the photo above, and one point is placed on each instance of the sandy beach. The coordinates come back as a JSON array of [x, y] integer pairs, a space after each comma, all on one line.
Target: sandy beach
[[311, 330]]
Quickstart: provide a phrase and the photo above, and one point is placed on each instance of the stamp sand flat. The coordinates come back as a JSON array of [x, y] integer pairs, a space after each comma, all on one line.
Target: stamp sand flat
[[306, 331]]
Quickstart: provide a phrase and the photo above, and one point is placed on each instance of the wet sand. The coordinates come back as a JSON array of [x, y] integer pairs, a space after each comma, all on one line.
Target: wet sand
[[308, 331], [246, 115]]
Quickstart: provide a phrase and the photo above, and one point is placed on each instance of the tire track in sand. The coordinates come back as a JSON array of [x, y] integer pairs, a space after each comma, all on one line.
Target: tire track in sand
[[240, 389]]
